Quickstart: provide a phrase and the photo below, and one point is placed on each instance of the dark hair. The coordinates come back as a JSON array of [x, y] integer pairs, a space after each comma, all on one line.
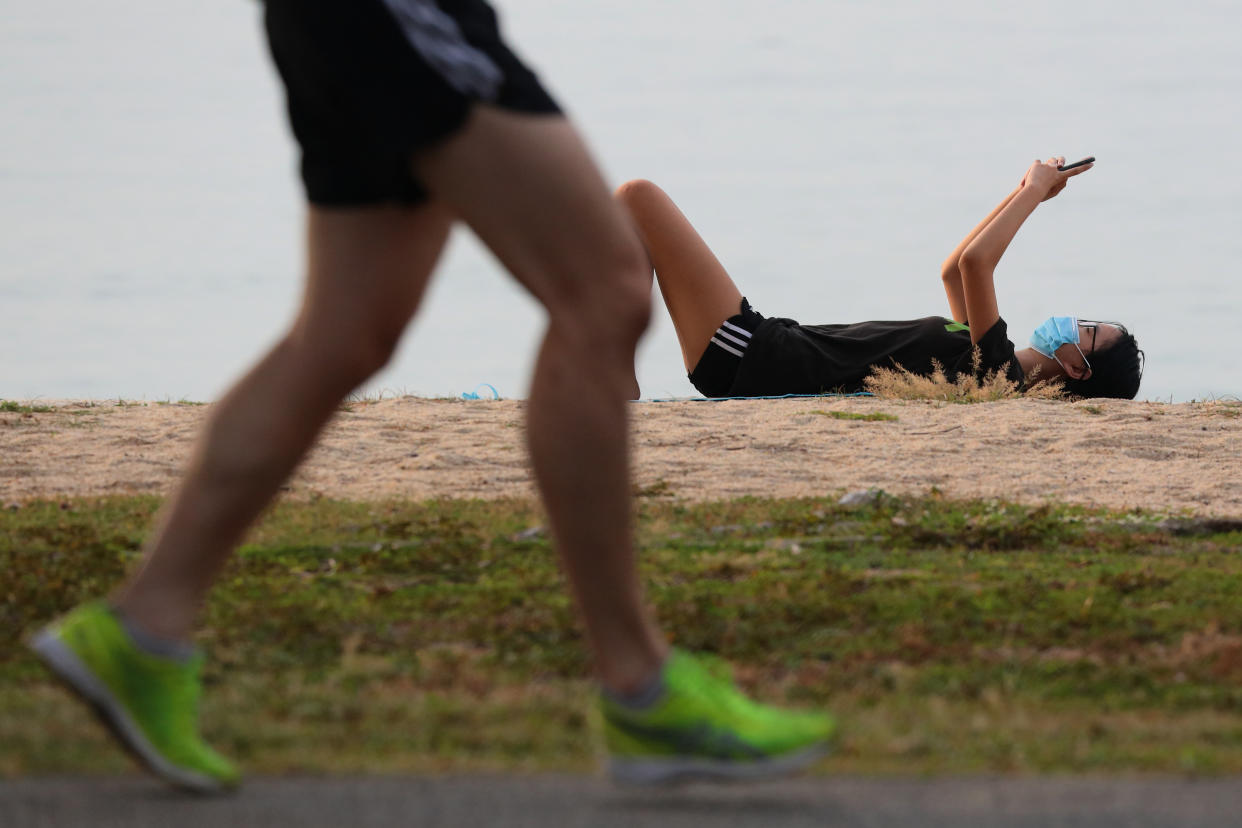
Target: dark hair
[[1115, 371]]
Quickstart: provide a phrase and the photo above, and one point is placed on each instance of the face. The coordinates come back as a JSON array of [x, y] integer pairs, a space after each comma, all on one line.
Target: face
[[1092, 336]]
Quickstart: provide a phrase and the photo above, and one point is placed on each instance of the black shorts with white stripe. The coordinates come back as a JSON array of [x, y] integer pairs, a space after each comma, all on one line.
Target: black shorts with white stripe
[[369, 82], [713, 375]]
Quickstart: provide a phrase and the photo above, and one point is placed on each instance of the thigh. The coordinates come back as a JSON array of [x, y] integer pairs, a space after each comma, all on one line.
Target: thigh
[[697, 290], [367, 269], [527, 186]]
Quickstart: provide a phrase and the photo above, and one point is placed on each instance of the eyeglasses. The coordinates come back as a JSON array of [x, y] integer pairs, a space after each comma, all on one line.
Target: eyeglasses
[[1094, 327]]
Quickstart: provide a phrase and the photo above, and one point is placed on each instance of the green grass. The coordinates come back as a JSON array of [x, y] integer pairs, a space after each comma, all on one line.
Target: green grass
[[949, 637], [12, 407], [873, 416]]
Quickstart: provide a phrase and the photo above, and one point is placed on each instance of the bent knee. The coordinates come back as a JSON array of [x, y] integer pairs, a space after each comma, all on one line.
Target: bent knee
[[636, 189], [344, 358], [631, 303], [628, 289], [612, 312]]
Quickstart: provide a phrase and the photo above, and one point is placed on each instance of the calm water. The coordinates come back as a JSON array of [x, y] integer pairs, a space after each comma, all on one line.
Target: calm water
[[832, 153]]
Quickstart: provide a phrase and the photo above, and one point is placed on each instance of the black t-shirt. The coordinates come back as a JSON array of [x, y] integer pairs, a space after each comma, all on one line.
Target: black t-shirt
[[785, 357]]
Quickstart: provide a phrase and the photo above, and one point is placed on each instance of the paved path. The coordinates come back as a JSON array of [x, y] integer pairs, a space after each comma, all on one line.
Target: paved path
[[547, 801]]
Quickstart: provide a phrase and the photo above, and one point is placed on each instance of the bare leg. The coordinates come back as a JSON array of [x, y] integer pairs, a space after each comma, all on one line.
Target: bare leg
[[367, 269], [696, 288], [527, 187]]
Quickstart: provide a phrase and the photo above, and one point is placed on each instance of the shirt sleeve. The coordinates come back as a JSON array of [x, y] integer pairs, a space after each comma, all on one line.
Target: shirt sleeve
[[996, 353]]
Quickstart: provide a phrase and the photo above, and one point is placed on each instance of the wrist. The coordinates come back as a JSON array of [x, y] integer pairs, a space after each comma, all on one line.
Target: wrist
[[1032, 195]]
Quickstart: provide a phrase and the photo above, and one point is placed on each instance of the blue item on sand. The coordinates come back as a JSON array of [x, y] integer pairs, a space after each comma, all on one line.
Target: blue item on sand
[[474, 395]]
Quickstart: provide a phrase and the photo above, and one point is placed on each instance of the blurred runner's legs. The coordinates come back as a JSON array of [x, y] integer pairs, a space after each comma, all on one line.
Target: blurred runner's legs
[[510, 166], [527, 187]]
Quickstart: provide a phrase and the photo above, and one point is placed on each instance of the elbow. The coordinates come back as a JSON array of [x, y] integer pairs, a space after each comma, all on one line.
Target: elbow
[[970, 262]]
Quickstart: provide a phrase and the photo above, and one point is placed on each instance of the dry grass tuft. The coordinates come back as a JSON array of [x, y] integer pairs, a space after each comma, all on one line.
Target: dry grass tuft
[[900, 384]]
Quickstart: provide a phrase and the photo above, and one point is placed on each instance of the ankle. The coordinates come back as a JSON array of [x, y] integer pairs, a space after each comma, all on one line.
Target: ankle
[[153, 643], [635, 683], [642, 696]]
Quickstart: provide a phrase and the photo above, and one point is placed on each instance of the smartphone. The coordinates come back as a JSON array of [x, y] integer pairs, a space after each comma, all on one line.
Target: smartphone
[[1087, 160]]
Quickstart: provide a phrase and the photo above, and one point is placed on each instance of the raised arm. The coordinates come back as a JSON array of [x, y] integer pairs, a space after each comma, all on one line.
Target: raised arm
[[950, 273], [977, 261]]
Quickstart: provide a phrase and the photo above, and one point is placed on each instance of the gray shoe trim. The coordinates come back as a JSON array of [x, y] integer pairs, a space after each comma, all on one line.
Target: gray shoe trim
[[65, 663], [655, 770]]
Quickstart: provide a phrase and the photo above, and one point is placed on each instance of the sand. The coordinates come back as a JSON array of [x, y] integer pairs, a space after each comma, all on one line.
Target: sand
[[1168, 458]]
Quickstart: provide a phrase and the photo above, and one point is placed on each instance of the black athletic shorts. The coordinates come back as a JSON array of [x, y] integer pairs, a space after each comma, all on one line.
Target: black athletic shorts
[[371, 81], [714, 374]]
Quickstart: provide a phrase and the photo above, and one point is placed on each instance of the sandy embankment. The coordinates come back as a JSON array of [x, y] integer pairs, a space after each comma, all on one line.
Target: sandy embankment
[[1157, 456]]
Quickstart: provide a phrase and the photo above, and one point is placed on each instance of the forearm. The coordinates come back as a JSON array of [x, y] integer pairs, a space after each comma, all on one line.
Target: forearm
[[951, 274], [983, 252], [950, 264]]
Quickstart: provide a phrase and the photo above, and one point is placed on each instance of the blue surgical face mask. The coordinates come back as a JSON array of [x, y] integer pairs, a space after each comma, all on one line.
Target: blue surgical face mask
[[1053, 333]]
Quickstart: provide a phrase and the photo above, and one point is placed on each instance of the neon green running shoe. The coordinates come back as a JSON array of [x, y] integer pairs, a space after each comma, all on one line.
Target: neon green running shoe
[[702, 726], [149, 703]]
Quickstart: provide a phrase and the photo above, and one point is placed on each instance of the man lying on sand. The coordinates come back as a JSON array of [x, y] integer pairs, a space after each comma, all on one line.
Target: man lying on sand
[[731, 350]]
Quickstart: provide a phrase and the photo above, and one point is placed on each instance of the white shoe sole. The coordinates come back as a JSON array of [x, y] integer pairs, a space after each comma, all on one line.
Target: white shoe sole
[[69, 668]]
